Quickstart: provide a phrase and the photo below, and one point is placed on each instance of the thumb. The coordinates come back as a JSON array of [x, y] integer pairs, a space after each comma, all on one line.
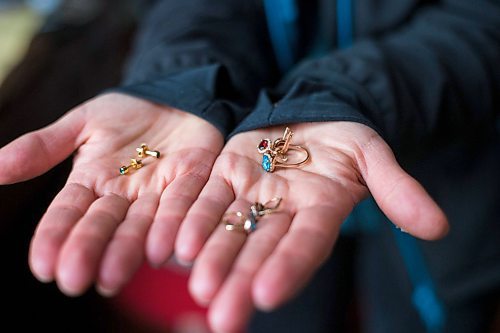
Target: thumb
[[402, 198], [36, 152]]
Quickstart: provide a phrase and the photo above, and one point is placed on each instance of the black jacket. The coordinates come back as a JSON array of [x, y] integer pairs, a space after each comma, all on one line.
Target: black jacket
[[417, 69]]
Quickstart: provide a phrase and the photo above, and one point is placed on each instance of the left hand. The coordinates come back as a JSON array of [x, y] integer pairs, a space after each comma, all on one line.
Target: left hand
[[234, 272]]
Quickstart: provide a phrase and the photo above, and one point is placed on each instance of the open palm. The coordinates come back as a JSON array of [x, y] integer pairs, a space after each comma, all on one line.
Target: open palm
[[101, 223], [235, 272]]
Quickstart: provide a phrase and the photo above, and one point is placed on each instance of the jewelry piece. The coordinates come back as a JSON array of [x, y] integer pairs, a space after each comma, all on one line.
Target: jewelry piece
[[275, 153], [134, 164], [144, 150], [248, 223]]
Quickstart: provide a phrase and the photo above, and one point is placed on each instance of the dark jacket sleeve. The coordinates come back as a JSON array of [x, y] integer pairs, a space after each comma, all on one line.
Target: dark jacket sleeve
[[438, 74], [209, 58]]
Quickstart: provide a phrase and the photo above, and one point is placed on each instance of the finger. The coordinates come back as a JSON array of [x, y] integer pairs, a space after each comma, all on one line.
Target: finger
[[174, 205], [233, 304], [216, 257], [125, 253], [80, 255], [402, 199], [37, 152], [202, 218], [302, 250], [66, 209]]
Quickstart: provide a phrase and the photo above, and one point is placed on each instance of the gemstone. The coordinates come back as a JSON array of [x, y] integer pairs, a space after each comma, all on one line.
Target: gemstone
[[250, 225], [266, 162], [263, 145], [123, 170]]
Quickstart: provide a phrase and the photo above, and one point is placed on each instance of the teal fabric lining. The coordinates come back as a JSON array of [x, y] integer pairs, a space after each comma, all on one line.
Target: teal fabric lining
[[281, 18]]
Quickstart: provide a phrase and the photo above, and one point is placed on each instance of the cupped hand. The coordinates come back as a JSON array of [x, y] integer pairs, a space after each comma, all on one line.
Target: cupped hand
[[102, 224], [235, 272]]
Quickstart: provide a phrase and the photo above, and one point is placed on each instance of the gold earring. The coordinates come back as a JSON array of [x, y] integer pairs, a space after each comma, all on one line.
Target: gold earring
[[143, 151], [134, 164], [275, 153]]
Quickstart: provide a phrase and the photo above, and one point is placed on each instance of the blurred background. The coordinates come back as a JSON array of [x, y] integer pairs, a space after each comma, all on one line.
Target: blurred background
[[19, 20]]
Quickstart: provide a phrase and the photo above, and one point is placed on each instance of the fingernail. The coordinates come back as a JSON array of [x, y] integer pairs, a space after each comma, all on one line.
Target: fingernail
[[105, 292]]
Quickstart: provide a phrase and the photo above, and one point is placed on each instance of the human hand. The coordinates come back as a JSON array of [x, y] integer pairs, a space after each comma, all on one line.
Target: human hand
[[234, 272], [97, 227]]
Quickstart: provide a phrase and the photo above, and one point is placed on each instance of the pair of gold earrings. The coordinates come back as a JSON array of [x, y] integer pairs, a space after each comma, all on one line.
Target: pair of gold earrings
[[136, 163], [238, 221]]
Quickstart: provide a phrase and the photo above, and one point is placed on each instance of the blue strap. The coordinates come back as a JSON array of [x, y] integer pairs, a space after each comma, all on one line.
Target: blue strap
[[282, 18], [345, 23], [424, 296], [366, 217]]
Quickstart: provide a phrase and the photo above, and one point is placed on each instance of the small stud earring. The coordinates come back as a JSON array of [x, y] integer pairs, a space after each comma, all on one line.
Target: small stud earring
[[134, 164], [144, 150]]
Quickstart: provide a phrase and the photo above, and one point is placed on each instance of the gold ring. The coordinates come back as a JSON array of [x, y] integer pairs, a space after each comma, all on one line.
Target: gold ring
[[275, 153]]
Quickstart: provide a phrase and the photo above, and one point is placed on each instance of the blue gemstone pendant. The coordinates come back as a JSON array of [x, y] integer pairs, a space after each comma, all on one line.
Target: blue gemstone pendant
[[250, 224], [267, 162]]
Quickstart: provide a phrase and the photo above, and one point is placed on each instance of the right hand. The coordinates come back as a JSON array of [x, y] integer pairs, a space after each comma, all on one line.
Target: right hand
[[102, 225]]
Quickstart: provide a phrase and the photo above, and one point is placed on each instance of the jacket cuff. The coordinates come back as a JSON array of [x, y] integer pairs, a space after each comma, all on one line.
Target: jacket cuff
[[292, 109], [194, 91]]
